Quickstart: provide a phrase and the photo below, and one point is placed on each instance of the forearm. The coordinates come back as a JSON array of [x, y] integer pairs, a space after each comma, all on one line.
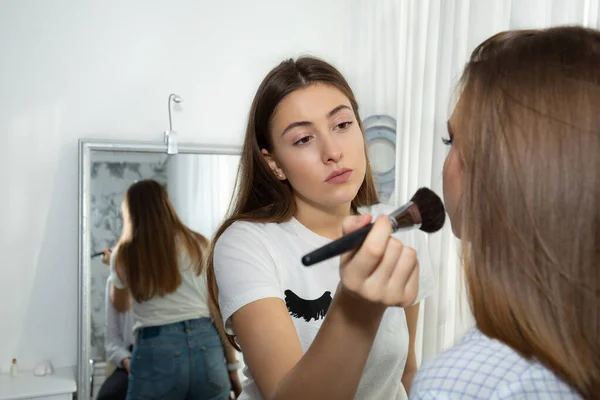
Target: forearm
[[230, 352], [120, 299], [333, 365], [407, 379], [122, 357], [114, 343], [116, 353], [409, 371], [410, 368]]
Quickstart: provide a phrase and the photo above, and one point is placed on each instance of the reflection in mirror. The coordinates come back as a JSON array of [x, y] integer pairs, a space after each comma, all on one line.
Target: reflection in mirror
[[199, 186]]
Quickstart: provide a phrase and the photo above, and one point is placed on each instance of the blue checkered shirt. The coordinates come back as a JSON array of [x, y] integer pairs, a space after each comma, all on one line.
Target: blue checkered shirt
[[484, 368]]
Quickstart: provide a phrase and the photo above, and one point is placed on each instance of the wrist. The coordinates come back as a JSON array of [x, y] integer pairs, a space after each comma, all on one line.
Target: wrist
[[230, 352], [357, 308], [359, 318], [233, 367]]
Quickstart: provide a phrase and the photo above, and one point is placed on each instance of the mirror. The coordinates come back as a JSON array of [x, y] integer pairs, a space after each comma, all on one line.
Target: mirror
[[200, 182]]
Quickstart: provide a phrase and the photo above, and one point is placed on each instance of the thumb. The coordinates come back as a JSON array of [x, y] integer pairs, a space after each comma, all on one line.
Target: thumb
[[355, 222]]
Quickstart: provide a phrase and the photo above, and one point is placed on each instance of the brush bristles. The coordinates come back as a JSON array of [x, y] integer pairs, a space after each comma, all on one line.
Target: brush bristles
[[431, 208]]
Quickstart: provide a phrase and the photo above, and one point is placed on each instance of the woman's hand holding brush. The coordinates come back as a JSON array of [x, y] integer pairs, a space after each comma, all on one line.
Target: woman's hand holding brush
[[382, 270]]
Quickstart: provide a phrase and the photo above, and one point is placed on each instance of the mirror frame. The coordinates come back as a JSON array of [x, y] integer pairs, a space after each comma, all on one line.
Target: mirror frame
[[86, 146]]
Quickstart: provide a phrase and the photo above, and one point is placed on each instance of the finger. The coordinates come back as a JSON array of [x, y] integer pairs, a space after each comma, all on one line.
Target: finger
[[372, 250], [351, 224], [383, 271], [404, 282], [405, 266], [411, 290], [355, 222]]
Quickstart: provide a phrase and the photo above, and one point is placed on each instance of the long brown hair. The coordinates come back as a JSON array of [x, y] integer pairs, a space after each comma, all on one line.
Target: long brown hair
[[259, 196], [147, 256], [530, 146]]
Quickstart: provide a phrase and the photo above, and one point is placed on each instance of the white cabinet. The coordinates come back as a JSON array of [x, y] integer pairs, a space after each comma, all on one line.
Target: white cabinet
[[58, 386]]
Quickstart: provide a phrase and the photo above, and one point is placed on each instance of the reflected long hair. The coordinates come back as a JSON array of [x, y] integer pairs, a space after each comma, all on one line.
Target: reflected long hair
[[148, 253]]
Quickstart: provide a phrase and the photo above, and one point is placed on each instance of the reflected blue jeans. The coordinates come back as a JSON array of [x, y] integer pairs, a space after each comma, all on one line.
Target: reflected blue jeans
[[184, 360]]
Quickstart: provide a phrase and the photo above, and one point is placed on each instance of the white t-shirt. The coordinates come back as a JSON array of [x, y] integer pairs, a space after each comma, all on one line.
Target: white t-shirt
[[188, 301], [254, 261]]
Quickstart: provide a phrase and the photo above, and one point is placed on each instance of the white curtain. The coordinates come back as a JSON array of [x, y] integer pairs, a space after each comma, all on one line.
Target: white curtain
[[200, 187], [403, 59]]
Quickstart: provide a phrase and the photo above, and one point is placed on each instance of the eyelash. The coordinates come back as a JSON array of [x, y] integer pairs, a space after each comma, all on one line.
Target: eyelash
[[347, 125], [447, 142], [342, 126], [300, 142]]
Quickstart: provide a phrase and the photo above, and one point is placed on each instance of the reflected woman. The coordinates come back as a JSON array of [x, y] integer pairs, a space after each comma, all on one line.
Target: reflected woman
[[158, 269], [118, 343]]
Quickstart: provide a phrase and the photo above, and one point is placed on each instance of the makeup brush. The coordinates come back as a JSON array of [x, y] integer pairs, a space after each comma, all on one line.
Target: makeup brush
[[424, 211], [99, 253]]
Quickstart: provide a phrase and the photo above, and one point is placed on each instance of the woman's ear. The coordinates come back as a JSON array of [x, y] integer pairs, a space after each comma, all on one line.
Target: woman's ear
[[273, 165]]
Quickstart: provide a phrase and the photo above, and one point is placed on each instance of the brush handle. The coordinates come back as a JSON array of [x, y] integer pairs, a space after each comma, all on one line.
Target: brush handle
[[97, 254], [345, 243]]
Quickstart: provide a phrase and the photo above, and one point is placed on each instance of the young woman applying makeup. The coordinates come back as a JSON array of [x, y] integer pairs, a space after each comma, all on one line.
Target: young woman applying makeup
[[338, 329], [522, 190]]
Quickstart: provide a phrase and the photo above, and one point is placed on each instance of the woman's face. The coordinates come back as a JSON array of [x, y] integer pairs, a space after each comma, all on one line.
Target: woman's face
[[318, 146], [453, 172]]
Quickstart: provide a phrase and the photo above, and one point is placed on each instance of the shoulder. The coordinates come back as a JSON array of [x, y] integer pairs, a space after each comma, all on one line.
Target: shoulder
[[241, 233], [244, 243], [202, 240], [115, 277], [473, 368], [479, 367], [535, 382]]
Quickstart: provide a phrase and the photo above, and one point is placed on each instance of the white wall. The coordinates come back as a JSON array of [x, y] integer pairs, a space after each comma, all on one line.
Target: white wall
[[104, 69]]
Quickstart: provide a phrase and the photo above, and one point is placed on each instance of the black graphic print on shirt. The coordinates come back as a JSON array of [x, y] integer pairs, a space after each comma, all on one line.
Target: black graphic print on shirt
[[307, 309]]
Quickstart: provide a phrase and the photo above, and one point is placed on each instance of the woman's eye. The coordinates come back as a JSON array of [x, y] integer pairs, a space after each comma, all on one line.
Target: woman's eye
[[448, 141], [344, 125], [304, 140]]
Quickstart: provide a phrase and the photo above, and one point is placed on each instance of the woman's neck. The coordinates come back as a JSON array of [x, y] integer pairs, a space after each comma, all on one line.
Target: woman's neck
[[324, 221]]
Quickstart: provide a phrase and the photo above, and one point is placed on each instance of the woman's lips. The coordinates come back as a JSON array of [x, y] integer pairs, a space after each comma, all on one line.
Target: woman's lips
[[340, 176]]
